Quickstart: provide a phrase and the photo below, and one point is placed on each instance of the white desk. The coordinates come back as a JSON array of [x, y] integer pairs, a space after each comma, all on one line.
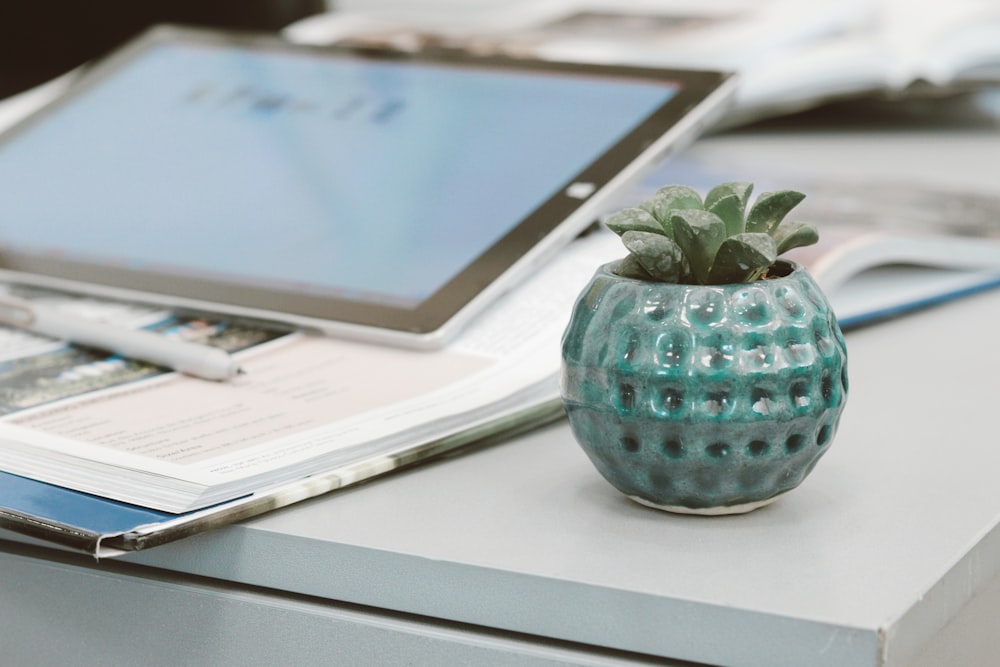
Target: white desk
[[521, 554]]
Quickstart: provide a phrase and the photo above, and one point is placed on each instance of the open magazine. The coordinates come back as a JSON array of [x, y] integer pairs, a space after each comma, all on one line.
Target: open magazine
[[790, 55]]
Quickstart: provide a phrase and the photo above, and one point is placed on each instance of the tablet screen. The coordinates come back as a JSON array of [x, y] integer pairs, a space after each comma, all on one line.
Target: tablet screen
[[331, 184]]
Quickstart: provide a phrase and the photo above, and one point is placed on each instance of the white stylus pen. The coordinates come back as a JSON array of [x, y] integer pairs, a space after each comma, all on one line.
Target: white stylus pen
[[210, 363]]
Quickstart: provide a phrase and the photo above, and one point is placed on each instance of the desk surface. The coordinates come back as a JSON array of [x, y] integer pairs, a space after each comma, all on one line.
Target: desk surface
[[889, 537], [892, 534]]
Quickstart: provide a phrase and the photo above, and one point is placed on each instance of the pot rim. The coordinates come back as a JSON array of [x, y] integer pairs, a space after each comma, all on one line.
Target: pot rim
[[793, 268]]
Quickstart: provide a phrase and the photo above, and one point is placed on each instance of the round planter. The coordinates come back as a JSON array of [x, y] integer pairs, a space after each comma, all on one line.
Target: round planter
[[704, 399]]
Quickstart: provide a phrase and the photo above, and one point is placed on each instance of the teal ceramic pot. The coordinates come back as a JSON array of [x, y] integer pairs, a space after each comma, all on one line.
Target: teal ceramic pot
[[704, 399]]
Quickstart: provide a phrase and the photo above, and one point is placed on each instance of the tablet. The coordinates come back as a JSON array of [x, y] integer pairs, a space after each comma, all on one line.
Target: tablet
[[375, 194]]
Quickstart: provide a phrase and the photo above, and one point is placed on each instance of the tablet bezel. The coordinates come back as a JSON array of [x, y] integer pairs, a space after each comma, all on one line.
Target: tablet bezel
[[700, 97]]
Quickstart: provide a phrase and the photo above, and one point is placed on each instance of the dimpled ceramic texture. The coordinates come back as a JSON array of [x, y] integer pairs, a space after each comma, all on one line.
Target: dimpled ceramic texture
[[707, 399]]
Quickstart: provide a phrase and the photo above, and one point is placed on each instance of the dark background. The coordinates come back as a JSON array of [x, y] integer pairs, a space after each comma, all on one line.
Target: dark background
[[41, 39]]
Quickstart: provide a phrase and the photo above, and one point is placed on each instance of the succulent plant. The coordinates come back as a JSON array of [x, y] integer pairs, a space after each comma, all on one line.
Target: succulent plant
[[677, 237]]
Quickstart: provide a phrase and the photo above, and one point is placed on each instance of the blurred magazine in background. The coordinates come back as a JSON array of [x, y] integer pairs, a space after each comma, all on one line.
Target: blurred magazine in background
[[886, 247], [791, 55]]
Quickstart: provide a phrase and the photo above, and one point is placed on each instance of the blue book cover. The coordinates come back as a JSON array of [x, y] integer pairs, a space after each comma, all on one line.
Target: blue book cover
[[70, 518], [36, 371]]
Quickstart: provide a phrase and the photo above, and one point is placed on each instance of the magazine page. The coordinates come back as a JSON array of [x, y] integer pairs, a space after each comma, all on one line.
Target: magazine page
[[713, 32], [789, 54], [943, 44], [885, 248]]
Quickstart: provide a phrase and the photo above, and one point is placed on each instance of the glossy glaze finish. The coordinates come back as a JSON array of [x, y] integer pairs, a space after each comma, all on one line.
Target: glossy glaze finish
[[710, 399]]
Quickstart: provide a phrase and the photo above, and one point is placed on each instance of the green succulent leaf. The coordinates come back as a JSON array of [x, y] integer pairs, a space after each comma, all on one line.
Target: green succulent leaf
[[699, 235], [676, 236], [671, 198], [742, 258], [741, 190], [657, 254], [791, 234], [633, 219], [770, 209], [729, 208], [677, 196], [630, 267]]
